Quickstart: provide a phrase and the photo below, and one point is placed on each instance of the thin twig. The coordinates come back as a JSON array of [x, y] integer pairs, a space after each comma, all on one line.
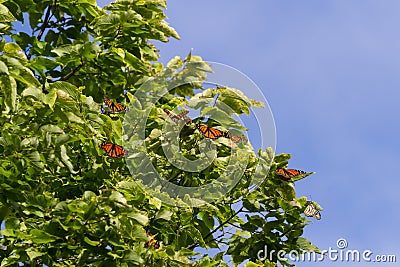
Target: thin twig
[[192, 246], [46, 21], [72, 72], [233, 225], [215, 239]]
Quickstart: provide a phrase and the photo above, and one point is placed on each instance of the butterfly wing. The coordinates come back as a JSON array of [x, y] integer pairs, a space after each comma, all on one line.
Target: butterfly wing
[[108, 102], [172, 116], [202, 128], [211, 133], [218, 133], [317, 215], [119, 108], [312, 211], [113, 150], [107, 147], [291, 174], [178, 117], [238, 139], [115, 107], [182, 114], [153, 242], [187, 119]]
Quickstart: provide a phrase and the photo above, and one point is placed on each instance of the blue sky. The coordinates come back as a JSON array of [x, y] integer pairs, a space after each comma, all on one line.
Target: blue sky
[[330, 71]]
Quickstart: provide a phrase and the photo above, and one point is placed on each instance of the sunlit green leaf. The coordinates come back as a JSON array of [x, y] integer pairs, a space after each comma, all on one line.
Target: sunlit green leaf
[[39, 236], [3, 68], [140, 218], [90, 242]]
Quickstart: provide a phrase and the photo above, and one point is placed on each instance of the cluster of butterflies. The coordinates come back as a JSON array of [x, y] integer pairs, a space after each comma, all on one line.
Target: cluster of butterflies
[[291, 174], [115, 151], [208, 132]]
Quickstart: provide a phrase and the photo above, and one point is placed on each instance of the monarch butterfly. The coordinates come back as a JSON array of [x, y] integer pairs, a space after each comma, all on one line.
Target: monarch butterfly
[[287, 174], [238, 139], [181, 115], [153, 242], [115, 107], [211, 133], [311, 211], [113, 150]]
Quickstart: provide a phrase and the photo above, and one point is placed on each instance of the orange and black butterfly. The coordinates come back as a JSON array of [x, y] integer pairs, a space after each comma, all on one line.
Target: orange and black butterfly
[[153, 242], [115, 107], [288, 174], [113, 150], [211, 133], [238, 139], [178, 117]]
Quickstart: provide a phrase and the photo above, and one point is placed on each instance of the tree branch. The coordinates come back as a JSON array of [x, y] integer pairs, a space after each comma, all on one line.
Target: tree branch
[[46, 21], [72, 72], [192, 246]]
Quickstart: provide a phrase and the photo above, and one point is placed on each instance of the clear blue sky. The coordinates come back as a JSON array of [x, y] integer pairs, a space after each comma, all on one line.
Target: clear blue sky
[[330, 70]]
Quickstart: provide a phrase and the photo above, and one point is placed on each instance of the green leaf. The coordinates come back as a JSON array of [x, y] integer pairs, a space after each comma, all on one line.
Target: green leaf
[[91, 242], [4, 211], [42, 237], [118, 197], [300, 177], [42, 64], [67, 88], [88, 195], [164, 214], [155, 202], [12, 223], [65, 159], [74, 118], [207, 218], [9, 88], [51, 128], [133, 61], [221, 117], [36, 160], [140, 218], [5, 14], [32, 91], [50, 98], [63, 139], [133, 256], [3, 68], [306, 245], [67, 50], [11, 48], [252, 264], [33, 253]]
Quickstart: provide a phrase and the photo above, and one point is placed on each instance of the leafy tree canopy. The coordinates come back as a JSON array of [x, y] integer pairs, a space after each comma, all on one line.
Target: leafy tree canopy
[[64, 202]]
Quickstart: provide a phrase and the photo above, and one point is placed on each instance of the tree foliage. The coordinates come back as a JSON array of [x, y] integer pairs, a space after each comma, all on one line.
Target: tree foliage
[[64, 202]]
